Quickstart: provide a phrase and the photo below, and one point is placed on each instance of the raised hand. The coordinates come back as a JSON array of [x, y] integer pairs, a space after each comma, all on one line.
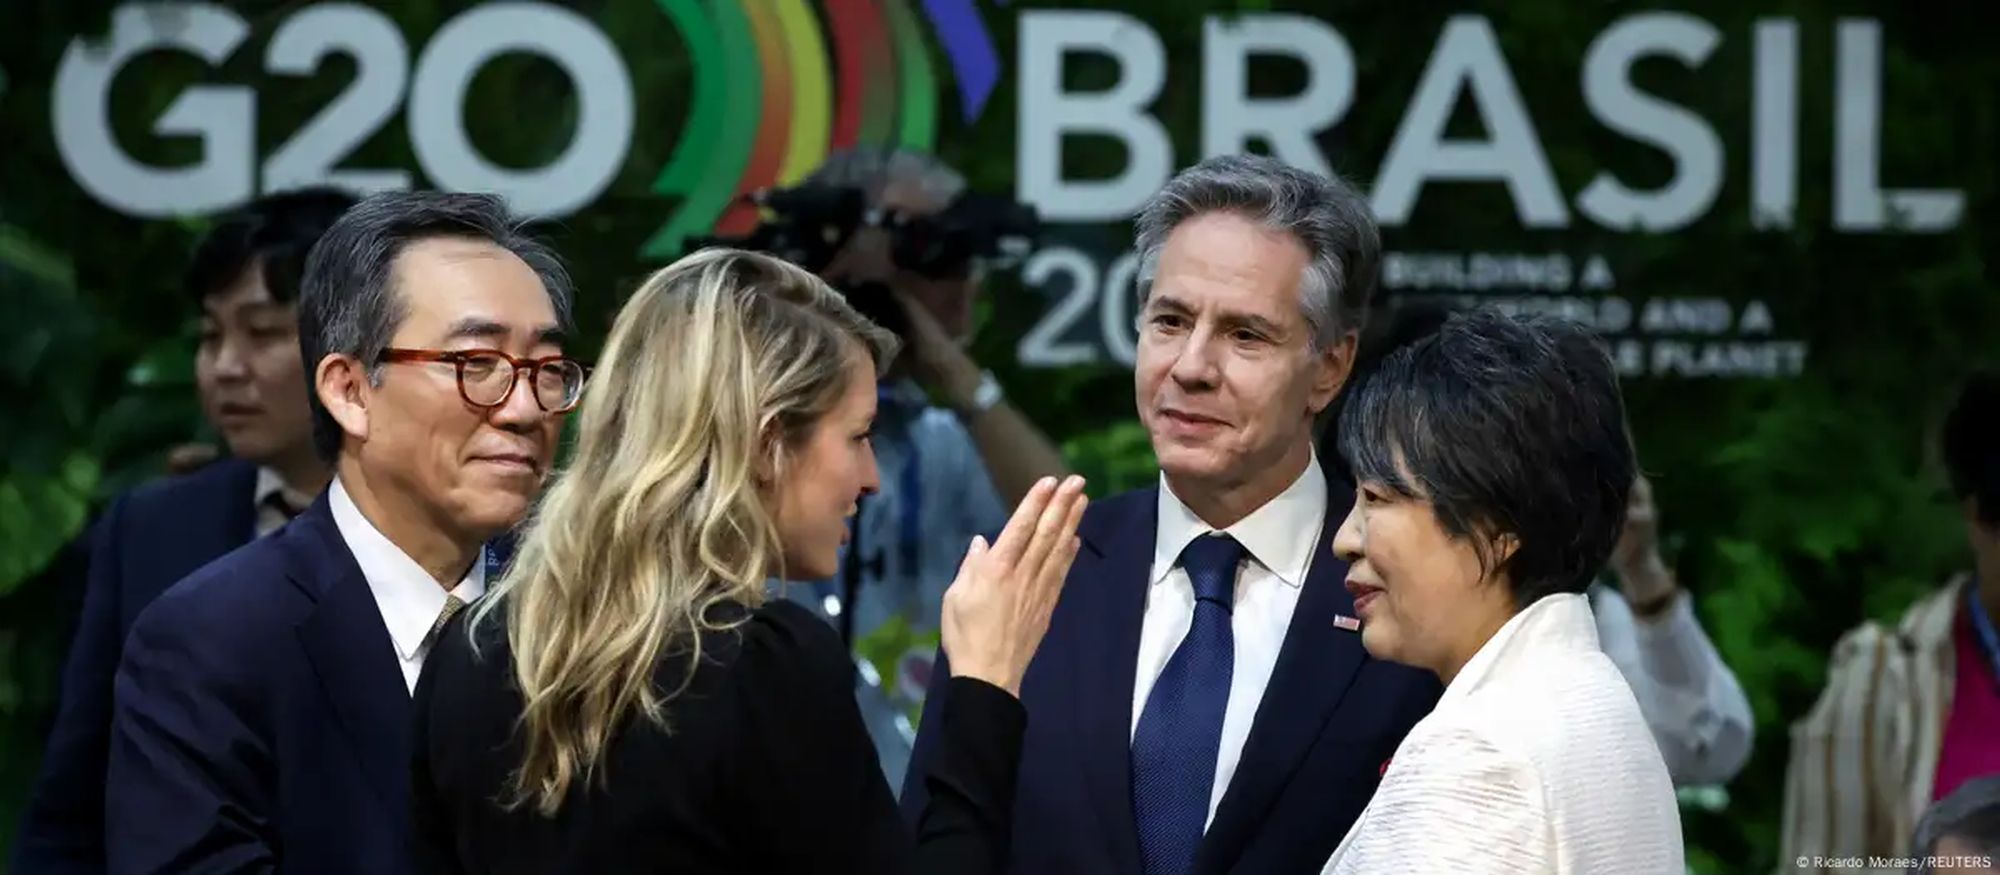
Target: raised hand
[[1643, 575], [998, 607]]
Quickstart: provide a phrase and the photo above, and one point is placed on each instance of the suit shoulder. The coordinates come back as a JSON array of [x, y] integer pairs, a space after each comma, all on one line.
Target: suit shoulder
[[1107, 515], [784, 633], [1124, 503], [171, 494], [1584, 705], [242, 591]]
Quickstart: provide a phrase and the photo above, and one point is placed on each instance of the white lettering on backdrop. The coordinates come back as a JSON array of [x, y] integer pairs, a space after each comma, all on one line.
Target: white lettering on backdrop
[[224, 117], [1466, 65]]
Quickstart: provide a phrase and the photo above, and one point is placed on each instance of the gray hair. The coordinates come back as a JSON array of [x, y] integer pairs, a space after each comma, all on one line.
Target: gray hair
[[1326, 215], [1971, 814], [873, 168], [348, 304]]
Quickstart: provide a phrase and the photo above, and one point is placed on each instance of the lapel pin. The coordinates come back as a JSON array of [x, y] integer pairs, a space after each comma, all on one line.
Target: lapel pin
[[1343, 621]]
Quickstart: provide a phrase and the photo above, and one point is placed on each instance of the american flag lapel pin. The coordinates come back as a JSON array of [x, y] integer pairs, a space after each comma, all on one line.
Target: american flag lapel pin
[[1343, 621]]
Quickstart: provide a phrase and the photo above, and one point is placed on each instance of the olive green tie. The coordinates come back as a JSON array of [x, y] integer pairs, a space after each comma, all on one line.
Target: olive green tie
[[452, 604]]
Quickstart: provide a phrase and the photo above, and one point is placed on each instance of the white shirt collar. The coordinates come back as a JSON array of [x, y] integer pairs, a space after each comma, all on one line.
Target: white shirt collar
[[1282, 535], [1560, 621], [408, 597], [269, 483]]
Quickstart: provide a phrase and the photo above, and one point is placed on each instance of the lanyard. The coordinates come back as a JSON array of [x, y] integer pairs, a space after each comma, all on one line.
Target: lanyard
[[1982, 627], [909, 503]]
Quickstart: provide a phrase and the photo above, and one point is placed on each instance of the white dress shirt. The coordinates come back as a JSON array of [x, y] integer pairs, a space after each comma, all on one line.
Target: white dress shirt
[[408, 597], [1691, 699], [1279, 541], [1536, 759], [270, 518]]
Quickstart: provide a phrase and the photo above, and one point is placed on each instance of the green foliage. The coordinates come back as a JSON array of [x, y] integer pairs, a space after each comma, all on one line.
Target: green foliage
[[47, 482], [1116, 458]]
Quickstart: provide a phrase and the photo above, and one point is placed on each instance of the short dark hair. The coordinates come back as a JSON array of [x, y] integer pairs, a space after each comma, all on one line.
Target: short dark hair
[[276, 231], [1971, 814], [348, 304], [1507, 425], [1972, 446], [1390, 327]]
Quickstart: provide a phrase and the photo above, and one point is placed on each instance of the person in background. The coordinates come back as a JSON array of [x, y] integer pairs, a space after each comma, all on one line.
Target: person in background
[[261, 712], [1960, 835], [1646, 623], [1494, 471], [1909, 713], [244, 278], [631, 699], [950, 468], [1209, 707]]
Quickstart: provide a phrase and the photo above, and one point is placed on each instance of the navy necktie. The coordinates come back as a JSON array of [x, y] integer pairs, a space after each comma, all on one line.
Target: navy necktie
[[1180, 730]]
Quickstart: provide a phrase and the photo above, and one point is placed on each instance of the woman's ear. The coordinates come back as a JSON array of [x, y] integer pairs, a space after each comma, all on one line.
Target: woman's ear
[[770, 457], [1504, 548]]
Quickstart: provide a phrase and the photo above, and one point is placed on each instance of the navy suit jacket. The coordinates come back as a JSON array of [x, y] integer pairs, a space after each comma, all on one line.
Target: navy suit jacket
[[146, 540], [261, 722], [1329, 720]]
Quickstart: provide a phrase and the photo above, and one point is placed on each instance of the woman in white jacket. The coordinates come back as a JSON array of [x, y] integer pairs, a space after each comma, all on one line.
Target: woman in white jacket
[[1493, 469]]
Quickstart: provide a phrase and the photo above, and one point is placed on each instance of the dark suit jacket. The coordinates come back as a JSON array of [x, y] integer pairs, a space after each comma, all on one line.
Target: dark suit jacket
[[765, 767], [1330, 718], [146, 540], [261, 723]]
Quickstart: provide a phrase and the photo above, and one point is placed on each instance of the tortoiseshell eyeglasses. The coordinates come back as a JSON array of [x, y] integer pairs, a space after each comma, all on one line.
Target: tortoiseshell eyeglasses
[[486, 377]]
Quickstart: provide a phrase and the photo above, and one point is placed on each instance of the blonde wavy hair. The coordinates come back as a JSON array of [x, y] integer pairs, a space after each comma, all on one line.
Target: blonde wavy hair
[[716, 366]]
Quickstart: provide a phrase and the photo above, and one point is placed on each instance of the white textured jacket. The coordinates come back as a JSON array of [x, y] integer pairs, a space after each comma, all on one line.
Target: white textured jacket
[[1536, 759]]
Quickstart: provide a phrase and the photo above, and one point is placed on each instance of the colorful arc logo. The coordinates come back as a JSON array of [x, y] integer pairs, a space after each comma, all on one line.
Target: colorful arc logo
[[767, 108]]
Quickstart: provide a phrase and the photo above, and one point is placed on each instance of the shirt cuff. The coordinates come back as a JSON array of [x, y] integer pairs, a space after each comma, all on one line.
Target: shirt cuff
[[1674, 646]]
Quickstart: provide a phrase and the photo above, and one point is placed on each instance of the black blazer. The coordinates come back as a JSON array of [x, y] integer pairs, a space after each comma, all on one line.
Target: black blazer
[[1330, 718], [765, 767], [261, 721], [146, 540]]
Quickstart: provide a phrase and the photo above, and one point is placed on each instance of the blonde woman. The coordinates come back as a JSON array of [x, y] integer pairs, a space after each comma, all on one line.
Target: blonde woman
[[628, 701]]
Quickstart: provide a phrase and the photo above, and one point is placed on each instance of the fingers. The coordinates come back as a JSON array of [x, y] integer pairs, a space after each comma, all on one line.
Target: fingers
[[972, 553], [1021, 527], [1048, 527], [1064, 546], [1057, 571]]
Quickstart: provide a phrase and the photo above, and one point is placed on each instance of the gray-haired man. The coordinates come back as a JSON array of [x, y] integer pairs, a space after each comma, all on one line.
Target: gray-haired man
[[262, 705], [1202, 703]]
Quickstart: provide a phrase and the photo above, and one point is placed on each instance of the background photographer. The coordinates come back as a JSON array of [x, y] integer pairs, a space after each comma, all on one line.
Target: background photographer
[[954, 455]]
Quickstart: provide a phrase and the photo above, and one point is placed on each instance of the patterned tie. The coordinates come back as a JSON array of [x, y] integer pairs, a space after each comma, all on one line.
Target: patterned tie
[[282, 503], [1180, 730], [451, 605]]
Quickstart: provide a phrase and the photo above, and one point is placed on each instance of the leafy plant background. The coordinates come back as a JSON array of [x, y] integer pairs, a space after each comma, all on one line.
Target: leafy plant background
[[1800, 506]]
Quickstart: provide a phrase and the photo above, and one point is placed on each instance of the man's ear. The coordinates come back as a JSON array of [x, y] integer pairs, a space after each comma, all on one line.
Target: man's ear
[[1331, 367], [342, 385]]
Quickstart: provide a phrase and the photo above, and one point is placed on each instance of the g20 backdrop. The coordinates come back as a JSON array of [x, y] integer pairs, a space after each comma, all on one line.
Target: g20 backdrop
[[773, 85], [1781, 214]]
